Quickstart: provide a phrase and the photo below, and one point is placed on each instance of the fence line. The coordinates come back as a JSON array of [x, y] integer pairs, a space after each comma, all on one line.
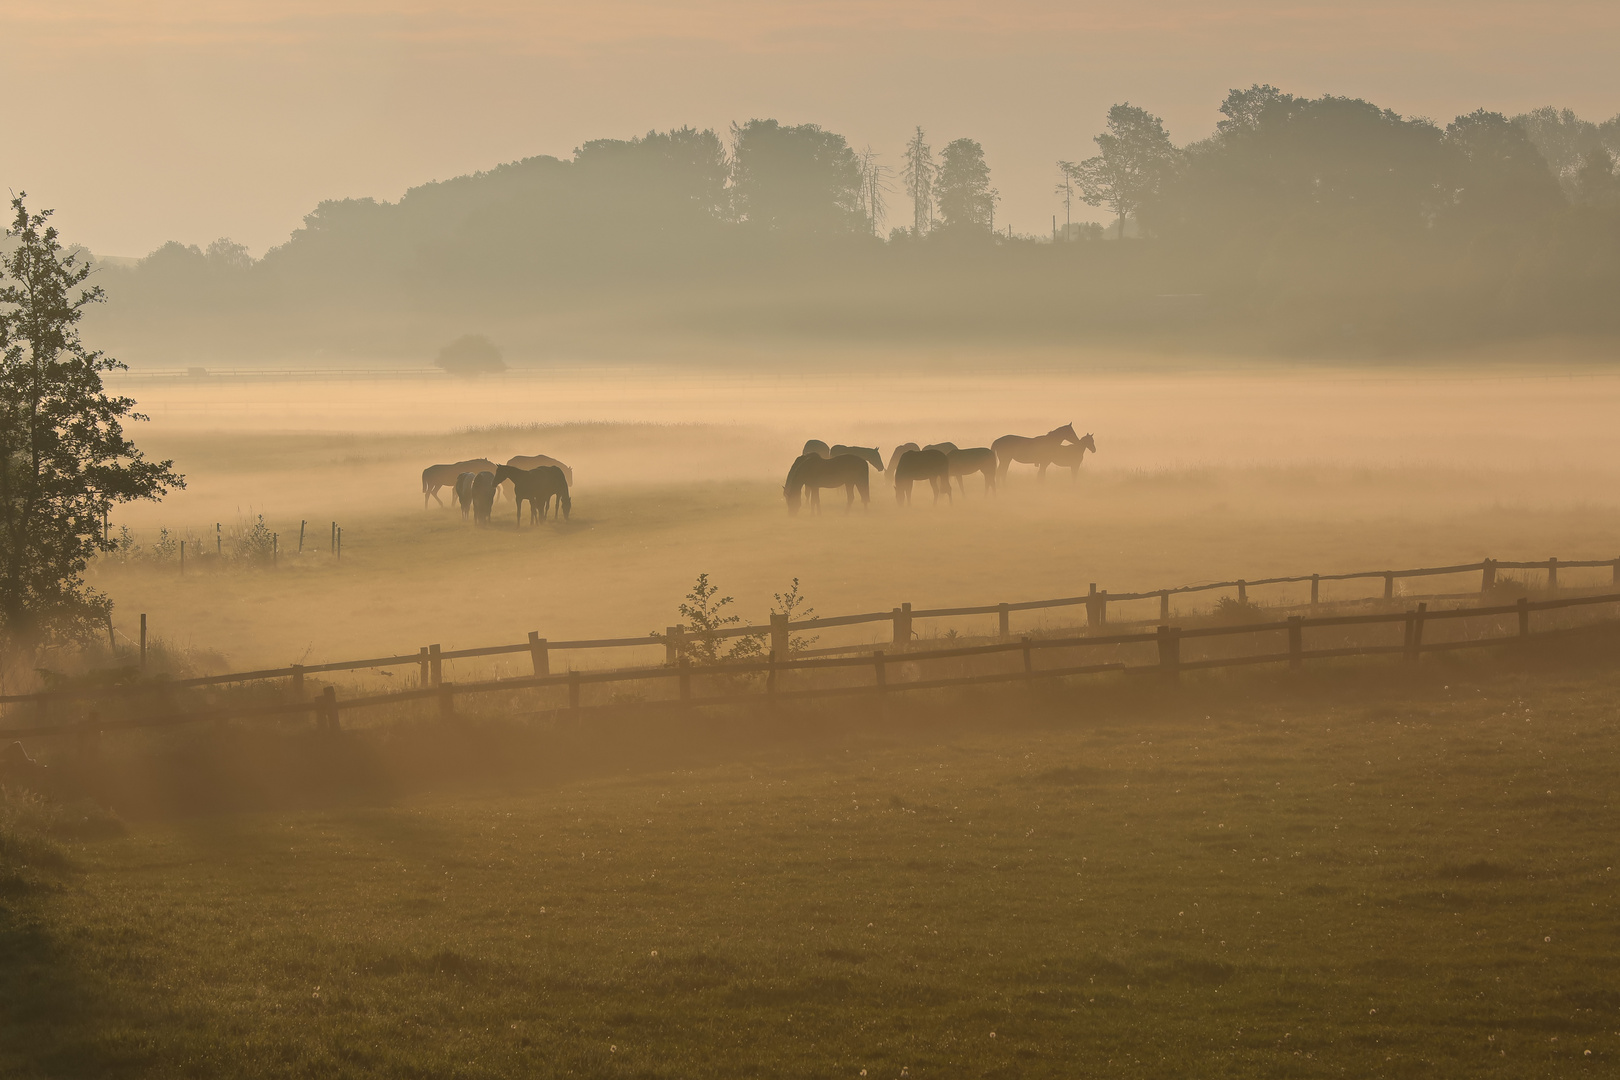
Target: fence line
[[430, 658], [327, 708]]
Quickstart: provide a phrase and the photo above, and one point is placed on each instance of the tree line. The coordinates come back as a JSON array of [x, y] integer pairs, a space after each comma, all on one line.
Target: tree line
[[1334, 200]]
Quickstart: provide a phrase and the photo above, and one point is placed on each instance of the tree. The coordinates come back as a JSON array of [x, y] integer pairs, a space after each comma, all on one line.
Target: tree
[[1497, 179], [64, 460], [1562, 137], [704, 611], [874, 186], [1595, 181], [918, 175], [962, 187], [1068, 179], [1134, 162], [796, 179]]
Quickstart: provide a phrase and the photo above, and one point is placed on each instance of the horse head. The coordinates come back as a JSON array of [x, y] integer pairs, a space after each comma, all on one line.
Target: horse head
[[1089, 443], [565, 502], [794, 494], [1066, 433]]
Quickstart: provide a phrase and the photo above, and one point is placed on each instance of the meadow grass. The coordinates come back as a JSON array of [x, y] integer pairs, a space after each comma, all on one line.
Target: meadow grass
[[1366, 870]]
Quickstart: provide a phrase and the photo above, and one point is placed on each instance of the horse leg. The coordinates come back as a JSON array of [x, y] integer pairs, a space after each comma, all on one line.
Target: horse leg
[[849, 497], [1042, 474]]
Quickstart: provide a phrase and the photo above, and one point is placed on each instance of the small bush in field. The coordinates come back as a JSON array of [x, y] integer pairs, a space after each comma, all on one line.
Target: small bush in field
[[1231, 610], [704, 613], [792, 604]]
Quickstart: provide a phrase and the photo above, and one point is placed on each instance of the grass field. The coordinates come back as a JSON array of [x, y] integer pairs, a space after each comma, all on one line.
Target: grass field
[[1369, 870]]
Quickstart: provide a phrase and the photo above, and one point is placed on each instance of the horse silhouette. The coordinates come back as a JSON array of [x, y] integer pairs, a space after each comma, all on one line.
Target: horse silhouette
[[816, 472], [871, 454], [1037, 450], [435, 477], [942, 447], [534, 461], [537, 486], [974, 459], [817, 447], [464, 492], [914, 465], [483, 497], [1070, 455]]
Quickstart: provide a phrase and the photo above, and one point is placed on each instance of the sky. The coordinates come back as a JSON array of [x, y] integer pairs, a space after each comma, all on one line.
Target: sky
[[143, 121]]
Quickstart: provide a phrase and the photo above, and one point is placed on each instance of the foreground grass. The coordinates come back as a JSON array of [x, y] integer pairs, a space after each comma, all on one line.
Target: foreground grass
[[1370, 872]]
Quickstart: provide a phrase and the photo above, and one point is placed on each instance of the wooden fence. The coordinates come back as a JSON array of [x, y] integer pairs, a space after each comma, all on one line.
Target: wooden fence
[[780, 668]]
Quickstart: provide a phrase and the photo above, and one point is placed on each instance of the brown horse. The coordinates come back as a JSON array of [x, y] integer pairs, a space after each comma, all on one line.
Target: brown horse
[[816, 472], [483, 499], [534, 461], [1037, 451], [914, 465], [974, 459], [435, 477], [464, 492], [1070, 455], [537, 487]]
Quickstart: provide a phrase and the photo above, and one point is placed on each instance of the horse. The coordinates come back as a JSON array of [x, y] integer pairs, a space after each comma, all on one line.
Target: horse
[[534, 461], [942, 447], [537, 486], [913, 465], [816, 447], [464, 492], [901, 451], [483, 497], [816, 472], [1070, 455], [869, 454], [1033, 451], [435, 477], [975, 459]]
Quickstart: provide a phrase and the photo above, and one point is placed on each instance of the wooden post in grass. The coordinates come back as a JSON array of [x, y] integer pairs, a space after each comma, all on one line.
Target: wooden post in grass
[[1316, 590], [1091, 606], [1102, 608], [902, 626], [1552, 574], [423, 663], [435, 665], [1614, 573], [1170, 652], [1414, 645], [298, 681], [1164, 605], [219, 539], [1389, 586], [779, 633], [143, 641], [328, 712], [1296, 641], [539, 653], [1243, 592], [1487, 577], [1524, 616], [301, 525], [1004, 621]]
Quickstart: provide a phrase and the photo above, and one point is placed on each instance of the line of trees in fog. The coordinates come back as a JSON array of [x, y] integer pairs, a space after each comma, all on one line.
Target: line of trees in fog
[[1330, 215]]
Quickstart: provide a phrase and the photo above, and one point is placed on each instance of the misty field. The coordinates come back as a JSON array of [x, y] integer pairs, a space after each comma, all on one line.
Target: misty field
[[1368, 870]]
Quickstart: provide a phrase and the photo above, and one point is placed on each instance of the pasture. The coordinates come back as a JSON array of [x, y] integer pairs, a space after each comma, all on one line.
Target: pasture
[[1291, 875]]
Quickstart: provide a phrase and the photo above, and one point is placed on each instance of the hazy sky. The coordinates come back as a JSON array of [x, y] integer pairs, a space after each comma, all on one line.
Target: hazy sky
[[149, 120]]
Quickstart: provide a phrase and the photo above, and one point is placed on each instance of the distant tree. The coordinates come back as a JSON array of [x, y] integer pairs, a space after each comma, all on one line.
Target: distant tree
[[1497, 178], [1067, 188], [1562, 138], [795, 180], [227, 254], [671, 181], [1595, 180], [874, 188], [1135, 160], [962, 187], [1244, 108], [64, 460], [918, 175], [471, 355]]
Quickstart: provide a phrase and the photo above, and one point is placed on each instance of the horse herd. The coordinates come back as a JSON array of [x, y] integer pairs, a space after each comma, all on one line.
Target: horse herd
[[821, 466], [537, 479]]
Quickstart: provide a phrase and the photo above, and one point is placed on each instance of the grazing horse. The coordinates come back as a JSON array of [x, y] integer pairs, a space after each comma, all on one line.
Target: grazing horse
[[464, 492], [942, 447], [975, 459], [901, 451], [1033, 451], [816, 472], [1070, 455], [537, 486], [483, 497], [913, 465], [435, 477], [534, 461], [817, 447], [869, 454]]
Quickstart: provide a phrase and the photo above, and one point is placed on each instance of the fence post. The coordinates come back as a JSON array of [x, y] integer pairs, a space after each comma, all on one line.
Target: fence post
[[1414, 622], [1524, 616], [901, 635], [219, 540], [1389, 586], [301, 525], [1316, 589], [329, 710], [882, 672], [1552, 574], [1029, 657], [685, 680], [1091, 606], [539, 653], [422, 663], [1296, 641], [1487, 576], [1164, 605], [1614, 573], [1243, 592], [573, 694], [298, 680], [143, 641], [779, 633], [1102, 608], [435, 665], [1170, 651], [674, 644], [1004, 617]]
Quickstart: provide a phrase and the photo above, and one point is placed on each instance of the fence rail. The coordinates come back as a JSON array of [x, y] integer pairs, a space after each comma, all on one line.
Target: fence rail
[[327, 707], [430, 658]]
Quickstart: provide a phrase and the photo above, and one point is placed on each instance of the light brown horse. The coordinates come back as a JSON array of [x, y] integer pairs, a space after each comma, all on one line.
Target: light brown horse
[[1070, 455], [1037, 451], [973, 459], [815, 472], [914, 465]]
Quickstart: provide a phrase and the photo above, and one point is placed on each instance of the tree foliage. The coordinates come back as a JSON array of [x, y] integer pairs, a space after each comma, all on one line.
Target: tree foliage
[[918, 176], [64, 459], [796, 180], [1134, 160], [962, 188]]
